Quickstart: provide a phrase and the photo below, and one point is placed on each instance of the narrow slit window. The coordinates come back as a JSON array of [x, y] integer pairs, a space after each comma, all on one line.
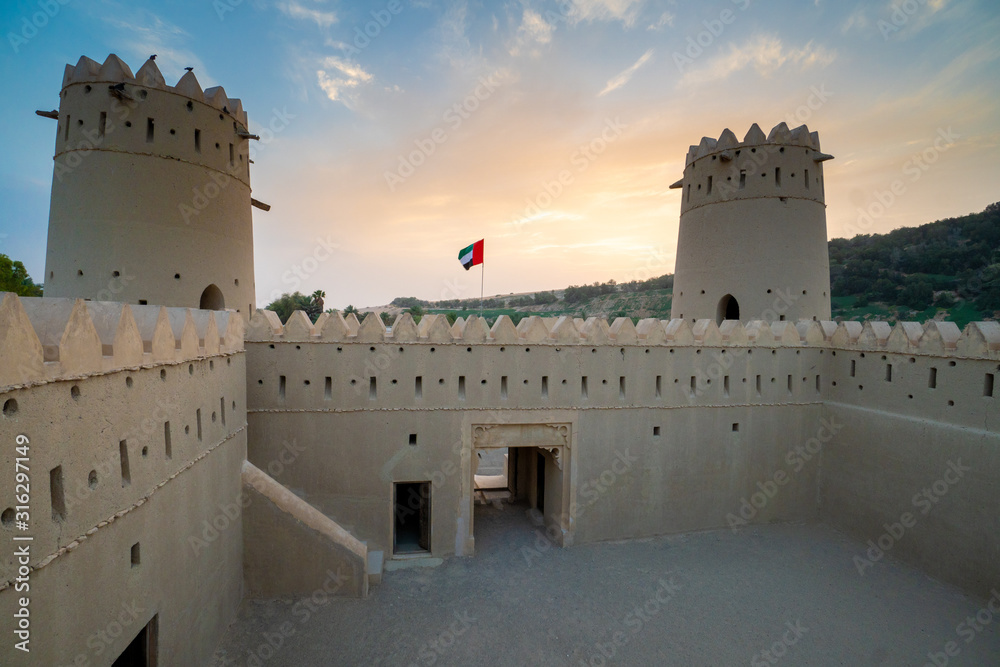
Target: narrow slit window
[[888, 372], [708, 190], [659, 386], [621, 387], [328, 388], [777, 177], [758, 386], [197, 141], [222, 409], [232, 156], [854, 367], [789, 385], [503, 387], [689, 192], [988, 385], [135, 555], [372, 389], [461, 387], [167, 445], [57, 494], [807, 179], [932, 380], [743, 179], [281, 387], [197, 416], [583, 387], [725, 386], [66, 128], [545, 386], [418, 387], [817, 384], [694, 386], [149, 130], [123, 457], [102, 124]]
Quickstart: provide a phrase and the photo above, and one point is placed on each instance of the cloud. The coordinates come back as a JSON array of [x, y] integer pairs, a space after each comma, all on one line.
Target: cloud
[[765, 53], [626, 11], [624, 76], [534, 30], [297, 11], [146, 34], [339, 78], [666, 19]]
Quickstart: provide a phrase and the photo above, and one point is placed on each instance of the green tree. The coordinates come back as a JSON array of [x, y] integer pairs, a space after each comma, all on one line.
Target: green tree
[[350, 309], [287, 304], [14, 278]]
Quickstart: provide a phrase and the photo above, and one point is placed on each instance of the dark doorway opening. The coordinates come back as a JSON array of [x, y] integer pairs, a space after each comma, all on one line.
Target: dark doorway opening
[[141, 651], [729, 309], [412, 509], [212, 299]]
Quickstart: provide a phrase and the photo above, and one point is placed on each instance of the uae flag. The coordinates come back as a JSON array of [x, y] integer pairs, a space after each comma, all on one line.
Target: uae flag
[[471, 255]]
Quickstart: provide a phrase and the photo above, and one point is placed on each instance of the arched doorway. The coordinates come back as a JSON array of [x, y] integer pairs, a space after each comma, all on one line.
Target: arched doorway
[[212, 299], [729, 309]]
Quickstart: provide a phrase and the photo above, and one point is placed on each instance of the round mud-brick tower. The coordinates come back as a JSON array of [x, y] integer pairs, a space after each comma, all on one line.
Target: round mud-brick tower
[[752, 240], [150, 191]]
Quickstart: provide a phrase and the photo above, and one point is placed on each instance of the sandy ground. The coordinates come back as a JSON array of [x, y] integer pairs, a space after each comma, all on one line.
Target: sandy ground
[[780, 594]]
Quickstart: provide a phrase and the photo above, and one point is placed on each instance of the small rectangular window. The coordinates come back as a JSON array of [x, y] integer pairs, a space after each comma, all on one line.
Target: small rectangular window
[[708, 190], [817, 384], [149, 130], [789, 385], [232, 156], [656, 431], [135, 555], [583, 387], [66, 128], [503, 387], [758, 386], [736, 427], [888, 372], [167, 445], [854, 367], [988, 385], [725, 386], [222, 409], [197, 416], [57, 494], [777, 177], [102, 124], [197, 141], [461, 387], [807, 179], [372, 389], [545, 386], [418, 387], [123, 457], [694, 386], [281, 387], [328, 388], [659, 385], [413, 439], [689, 192], [932, 380], [621, 387], [743, 179]]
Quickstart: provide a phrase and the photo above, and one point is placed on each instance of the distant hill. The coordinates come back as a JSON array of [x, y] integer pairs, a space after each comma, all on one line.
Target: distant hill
[[949, 269]]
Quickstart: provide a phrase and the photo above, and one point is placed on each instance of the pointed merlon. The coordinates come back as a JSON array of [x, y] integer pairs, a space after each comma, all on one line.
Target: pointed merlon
[[565, 331], [596, 331], [21, 357], [476, 330], [733, 333], [438, 330], [352, 324], [759, 332], [189, 87], [404, 329], [262, 326], [810, 332], [800, 136], [623, 331], [334, 327], [980, 340], [216, 97], [85, 70], [114, 69], [727, 140], [650, 331], [754, 136], [154, 327], [372, 330], [706, 332], [814, 137], [149, 75], [299, 327], [68, 75], [779, 134], [503, 331], [532, 330], [939, 337], [458, 328], [119, 334], [706, 146], [66, 333], [678, 332]]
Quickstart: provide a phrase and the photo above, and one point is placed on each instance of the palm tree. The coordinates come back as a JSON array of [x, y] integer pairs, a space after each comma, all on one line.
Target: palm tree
[[317, 299], [350, 309]]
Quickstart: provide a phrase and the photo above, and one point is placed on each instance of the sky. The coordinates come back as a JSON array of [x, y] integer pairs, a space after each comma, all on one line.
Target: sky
[[400, 131]]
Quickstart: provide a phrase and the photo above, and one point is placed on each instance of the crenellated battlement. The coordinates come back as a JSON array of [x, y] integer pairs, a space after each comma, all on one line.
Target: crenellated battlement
[[115, 71], [46, 339], [979, 340]]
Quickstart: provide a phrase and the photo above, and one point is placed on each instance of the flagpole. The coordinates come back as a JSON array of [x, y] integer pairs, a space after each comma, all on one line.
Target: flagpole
[[482, 285]]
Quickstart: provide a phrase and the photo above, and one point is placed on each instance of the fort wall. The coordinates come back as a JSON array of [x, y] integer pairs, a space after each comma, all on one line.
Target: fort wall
[[136, 430]]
